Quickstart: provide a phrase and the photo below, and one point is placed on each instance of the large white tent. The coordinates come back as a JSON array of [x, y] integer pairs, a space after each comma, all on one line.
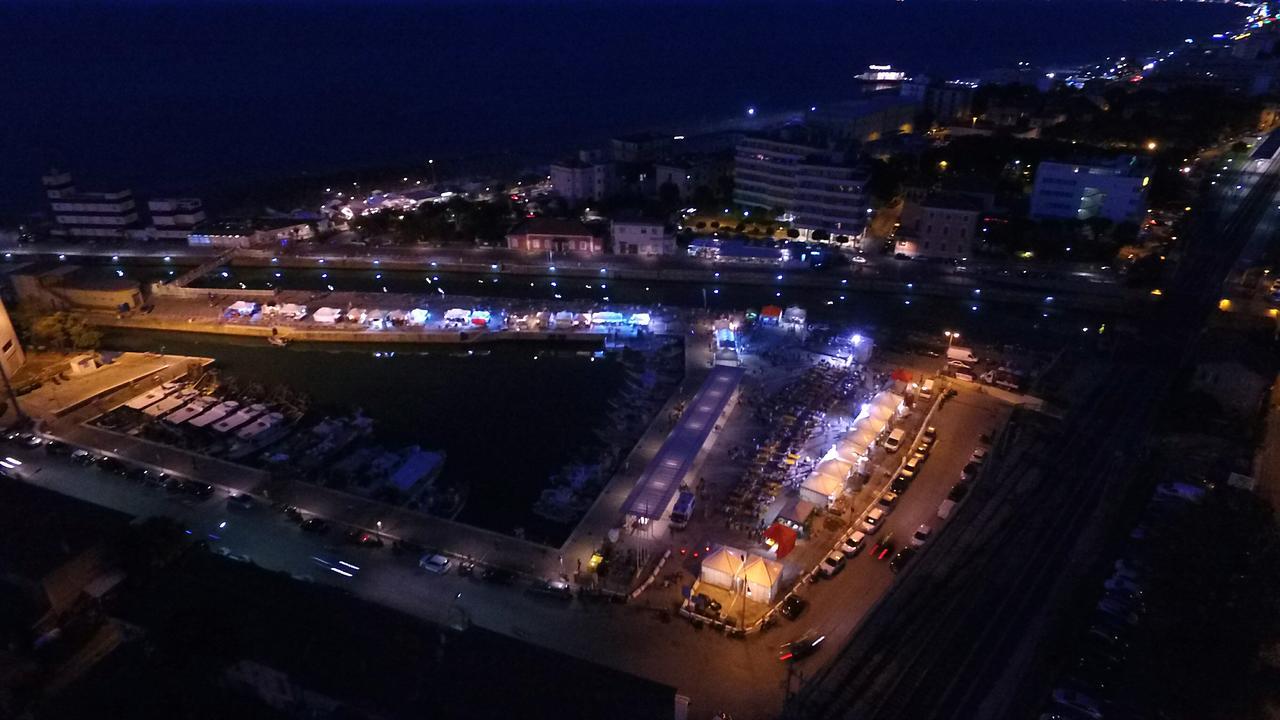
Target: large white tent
[[327, 315], [875, 424], [834, 466], [722, 567], [851, 450], [763, 577], [822, 489]]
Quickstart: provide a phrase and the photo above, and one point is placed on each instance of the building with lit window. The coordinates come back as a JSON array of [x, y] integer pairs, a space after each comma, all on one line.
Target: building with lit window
[[811, 183], [1115, 190], [641, 236], [940, 226], [174, 218]]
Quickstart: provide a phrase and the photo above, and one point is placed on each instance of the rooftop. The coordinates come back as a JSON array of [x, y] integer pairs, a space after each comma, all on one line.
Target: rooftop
[[550, 226]]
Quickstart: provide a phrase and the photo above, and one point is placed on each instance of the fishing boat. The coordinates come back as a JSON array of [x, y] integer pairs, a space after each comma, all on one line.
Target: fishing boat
[[172, 402], [214, 414], [189, 411], [259, 426], [240, 418]]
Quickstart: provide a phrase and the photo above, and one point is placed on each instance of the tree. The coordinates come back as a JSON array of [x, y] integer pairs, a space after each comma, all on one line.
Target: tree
[[821, 235], [65, 331], [793, 233]]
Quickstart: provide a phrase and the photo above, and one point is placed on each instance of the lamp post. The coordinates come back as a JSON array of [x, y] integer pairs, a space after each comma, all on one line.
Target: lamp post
[[951, 335]]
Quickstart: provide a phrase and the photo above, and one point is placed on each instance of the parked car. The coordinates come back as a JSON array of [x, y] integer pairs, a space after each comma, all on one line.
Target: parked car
[[886, 502], [969, 472], [903, 557], [556, 588], [83, 457], [853, 542], [872, 521], [793, 607], [978, 456], [921, 535], [198, 489], [832, 564], [55, 447], [241, 501], [930, 436], [498, 576], [435, 564], [114, 466], [315, 525], [900, 484], [923, 450]]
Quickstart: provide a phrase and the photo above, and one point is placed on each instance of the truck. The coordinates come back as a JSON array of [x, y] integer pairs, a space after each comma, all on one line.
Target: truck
[[963, 354], [683, 510]]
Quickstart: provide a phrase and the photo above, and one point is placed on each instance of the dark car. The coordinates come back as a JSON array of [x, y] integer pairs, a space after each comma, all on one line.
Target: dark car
[[113, 466], [903, 557], [83, 457], [883, 547], [240, 501], [958, 492], [198, 489], [793, 607], [54, 447], [363, 539], [315, 525], [969, 472], [900, 485], [498, 576], [408, 547], [801, 647]]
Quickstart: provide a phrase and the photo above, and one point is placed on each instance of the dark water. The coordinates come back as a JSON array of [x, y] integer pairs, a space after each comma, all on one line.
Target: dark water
[[506, 419], [186, 96]]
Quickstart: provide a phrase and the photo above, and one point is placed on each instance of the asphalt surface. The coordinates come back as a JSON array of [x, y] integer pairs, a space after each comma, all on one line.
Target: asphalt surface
[[958, 636]]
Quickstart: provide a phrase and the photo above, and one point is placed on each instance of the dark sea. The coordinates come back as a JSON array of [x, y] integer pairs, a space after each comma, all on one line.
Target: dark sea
[[197, 96]]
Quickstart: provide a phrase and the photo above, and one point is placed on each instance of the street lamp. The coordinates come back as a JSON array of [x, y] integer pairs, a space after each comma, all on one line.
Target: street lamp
[[951, 335]]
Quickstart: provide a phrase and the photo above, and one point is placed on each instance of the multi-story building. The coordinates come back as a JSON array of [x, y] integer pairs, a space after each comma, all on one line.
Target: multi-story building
[[868, 119], [236, 233], [640, 147], [543, 234], [174, 218], [642, 236], [941, 225], [811, 183], [1115, 190], [89, 214], [578, 180], [11, 355]]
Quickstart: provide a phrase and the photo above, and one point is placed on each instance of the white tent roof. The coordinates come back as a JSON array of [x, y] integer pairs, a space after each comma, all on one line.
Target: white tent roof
[[870, 423], [418, 316], [607, 317], [640, 318], [396, 315], [884, 398], [243, 307], [457, 314], [883, 412], [823, 484], [762, 572], [725, 559], [327, 315], [564, 316], [834, 466], [851, 448]]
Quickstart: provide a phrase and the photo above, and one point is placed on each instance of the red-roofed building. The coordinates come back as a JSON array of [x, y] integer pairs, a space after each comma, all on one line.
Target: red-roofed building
[[554, 235]]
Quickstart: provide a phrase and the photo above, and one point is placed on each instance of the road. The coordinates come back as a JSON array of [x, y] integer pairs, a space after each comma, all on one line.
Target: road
[[959, 636]]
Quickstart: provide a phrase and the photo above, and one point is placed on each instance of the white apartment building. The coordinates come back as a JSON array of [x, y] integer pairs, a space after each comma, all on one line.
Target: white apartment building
[[1115, 190], [642, 237], [811, 183]]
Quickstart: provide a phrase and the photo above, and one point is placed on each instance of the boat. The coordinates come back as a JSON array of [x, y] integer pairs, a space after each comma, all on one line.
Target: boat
[[244, 447], [240, 418], [278, 341], [154, 395], [259, 426], [188, 411], [172, 402], [216, 413]]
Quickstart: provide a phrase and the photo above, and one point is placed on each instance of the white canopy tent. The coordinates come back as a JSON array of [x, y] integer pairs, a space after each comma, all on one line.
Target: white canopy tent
[[327, 315], [608, 318], [457, 315], [397, 316], [563, 319], [822, 489], [242, 307], [418, 316], [356, 315], [851, 449], [763, 578], [722, 567], [834, 466], [871, 423], [293, 310]]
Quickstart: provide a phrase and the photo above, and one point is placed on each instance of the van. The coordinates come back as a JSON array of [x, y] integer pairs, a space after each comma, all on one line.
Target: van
[[894, 441], [926, 389], [963, 354]]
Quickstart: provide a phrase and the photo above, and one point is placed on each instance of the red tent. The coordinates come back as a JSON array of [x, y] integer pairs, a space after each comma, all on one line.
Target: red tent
[[781, 538], [902, 375]]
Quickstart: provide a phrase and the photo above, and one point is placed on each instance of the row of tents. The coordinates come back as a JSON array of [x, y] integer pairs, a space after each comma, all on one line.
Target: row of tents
[[827, 481]]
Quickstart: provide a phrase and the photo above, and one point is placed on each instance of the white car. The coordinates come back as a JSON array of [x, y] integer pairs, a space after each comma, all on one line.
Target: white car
[[852, 545], [921, 535], [873, 520], [859, 259], [832, 564], [435, 564]]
